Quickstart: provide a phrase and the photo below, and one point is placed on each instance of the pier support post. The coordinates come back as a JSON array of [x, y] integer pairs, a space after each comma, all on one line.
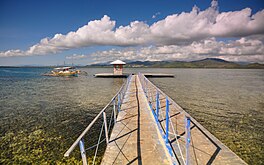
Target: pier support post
[[188, 138], [82, 149], [157, 105], [167, 120], [105, 125]]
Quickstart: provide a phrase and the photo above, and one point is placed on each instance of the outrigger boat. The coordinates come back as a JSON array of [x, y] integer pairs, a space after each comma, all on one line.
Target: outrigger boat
[[64, 71]]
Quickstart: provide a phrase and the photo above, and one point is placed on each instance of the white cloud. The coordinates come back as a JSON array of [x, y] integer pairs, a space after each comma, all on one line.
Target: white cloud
[[243, 49], [176, 31], [76, 57], [238, 23], [136, 33]]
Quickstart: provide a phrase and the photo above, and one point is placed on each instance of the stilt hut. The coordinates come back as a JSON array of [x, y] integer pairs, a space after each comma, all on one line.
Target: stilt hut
[[118, 67]]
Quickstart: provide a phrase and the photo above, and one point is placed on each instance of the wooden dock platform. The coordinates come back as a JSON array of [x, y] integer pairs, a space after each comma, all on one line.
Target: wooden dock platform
[[110, 75], [159, 75]]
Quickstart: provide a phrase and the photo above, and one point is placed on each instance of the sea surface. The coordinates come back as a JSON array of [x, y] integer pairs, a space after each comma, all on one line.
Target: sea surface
[[40, 117]]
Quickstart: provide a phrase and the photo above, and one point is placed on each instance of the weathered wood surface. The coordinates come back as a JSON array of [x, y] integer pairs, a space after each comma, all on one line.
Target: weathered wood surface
[[135, 138]]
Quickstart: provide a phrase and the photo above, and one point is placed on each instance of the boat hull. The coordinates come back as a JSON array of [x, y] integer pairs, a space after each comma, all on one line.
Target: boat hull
[[63, 74]]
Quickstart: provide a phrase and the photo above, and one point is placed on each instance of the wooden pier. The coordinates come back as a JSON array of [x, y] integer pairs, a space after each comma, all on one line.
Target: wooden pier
[[135, 139], [150, 128]]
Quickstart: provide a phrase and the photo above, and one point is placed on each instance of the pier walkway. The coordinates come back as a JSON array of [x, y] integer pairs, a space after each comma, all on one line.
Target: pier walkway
[[135, 138], [145, 126]]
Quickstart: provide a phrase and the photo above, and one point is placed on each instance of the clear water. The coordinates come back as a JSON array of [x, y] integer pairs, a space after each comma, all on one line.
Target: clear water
[[54, 110], [229, 103], [59, 107]]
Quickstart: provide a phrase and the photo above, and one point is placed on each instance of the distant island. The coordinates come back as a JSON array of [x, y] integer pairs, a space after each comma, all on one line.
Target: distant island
[[205, 63]]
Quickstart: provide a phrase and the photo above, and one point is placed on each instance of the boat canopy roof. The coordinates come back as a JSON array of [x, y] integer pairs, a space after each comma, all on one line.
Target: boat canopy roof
[[62, 68]]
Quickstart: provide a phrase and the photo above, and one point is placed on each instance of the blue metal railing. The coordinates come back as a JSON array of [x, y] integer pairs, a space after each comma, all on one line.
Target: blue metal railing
[[116, 101], [155, 96]]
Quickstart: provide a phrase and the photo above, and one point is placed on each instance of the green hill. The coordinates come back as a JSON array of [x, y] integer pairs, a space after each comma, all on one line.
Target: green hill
[[205, 63]]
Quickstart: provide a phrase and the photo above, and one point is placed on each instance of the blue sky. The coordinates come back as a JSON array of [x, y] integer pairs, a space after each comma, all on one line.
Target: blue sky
[[24, 24]]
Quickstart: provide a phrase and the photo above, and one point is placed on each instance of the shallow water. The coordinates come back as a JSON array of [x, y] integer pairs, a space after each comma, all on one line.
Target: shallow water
[[229, 103], [60, 107]]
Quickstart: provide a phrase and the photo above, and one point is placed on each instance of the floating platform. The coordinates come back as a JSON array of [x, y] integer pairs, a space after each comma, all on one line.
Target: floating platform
[[111, 75], [157, 75]]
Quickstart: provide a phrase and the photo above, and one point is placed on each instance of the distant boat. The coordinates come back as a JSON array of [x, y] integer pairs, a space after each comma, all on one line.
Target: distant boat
[[63, 71]]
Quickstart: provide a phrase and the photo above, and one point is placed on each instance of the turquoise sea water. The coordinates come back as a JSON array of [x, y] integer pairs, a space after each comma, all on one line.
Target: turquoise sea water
[[50, 112]]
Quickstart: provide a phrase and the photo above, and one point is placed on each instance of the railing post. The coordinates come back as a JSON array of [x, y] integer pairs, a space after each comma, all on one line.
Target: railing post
[[188, 138], [167, 120], [82, 149], [144, 84], [118, 103], [105, 125], [146, 87], [114, 109], [150, 98], [157, 105]]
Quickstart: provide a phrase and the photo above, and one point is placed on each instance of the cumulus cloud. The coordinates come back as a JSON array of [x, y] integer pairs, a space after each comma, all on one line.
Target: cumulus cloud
[[183, 30], [244, 49], [76, 57]]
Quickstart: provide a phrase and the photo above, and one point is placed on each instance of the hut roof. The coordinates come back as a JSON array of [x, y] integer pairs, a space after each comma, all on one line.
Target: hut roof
[[118, 62]]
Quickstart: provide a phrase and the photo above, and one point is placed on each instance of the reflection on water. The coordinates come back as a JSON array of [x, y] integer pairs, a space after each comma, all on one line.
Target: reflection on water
[[50, 112]]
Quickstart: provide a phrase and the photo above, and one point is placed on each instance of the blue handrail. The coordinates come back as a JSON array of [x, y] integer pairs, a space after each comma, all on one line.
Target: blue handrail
[[147, 85]]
